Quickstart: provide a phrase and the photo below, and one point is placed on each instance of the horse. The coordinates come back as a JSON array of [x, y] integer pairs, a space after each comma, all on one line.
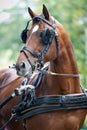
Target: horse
[[48, 41], [9, 80]]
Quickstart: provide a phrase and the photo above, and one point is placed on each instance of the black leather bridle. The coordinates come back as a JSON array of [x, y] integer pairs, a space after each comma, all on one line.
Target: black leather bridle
[[46, 47]]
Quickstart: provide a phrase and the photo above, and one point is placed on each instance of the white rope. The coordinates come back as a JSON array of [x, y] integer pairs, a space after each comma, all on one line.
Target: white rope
[[65, 75], [59, 74]]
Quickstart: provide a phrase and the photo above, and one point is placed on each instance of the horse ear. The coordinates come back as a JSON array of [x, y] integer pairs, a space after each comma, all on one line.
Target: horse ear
[[32, 14], [46, 12]]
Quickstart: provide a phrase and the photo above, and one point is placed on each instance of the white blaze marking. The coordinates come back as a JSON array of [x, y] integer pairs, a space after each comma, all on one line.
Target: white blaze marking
[[35, 28]]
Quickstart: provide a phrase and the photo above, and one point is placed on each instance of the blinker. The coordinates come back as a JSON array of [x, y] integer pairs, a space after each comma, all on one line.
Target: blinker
[[46, 36], [23, 36]]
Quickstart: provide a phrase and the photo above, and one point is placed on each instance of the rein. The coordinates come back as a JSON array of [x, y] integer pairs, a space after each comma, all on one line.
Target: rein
[[10, 119], [45, 70], [65, 75]]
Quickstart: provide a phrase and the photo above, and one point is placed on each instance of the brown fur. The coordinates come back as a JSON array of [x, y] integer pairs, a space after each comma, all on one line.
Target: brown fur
[[51, 85], [8, 82], [64, 62]]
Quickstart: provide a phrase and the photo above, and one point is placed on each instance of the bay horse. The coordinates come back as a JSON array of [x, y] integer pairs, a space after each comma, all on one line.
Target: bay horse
[[48, 41], [9, 80]]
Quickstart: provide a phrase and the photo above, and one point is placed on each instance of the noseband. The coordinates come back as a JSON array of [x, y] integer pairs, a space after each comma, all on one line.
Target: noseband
[[46, 47]]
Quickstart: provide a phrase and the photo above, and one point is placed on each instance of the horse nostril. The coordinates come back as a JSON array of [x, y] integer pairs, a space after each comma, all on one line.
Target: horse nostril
[[22, 65]]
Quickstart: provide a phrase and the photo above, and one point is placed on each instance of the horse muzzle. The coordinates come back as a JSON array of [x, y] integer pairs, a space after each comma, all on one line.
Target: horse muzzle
[[23, 69]]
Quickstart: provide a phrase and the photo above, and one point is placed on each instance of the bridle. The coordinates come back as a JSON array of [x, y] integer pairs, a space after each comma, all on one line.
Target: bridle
[[46, 47], [40, 56]]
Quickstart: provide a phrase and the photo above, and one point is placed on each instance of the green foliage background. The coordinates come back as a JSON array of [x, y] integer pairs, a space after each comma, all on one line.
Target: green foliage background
[[71, 13]]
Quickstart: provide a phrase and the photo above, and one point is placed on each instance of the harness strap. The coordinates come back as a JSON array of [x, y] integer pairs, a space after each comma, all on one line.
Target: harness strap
[[46, 109], [54, 103], [12, 116], [24, 124], [49, 104], [37, 80], [66, 75], [33, 53], [32, 66], [38, 18], [7, 100]]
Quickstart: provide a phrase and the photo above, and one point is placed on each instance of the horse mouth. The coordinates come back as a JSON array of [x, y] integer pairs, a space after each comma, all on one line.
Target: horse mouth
[[24, 72]]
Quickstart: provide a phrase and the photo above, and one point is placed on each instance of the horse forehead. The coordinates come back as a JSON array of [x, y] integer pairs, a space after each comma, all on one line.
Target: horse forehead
[[36, 27]]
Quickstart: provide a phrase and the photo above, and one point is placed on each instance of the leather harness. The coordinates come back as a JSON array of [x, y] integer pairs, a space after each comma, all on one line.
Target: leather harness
[[48, 103], [30, 105]]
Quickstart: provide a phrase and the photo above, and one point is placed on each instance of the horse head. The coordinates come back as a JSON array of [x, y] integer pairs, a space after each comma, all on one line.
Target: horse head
[[41, 43], [47, 41]]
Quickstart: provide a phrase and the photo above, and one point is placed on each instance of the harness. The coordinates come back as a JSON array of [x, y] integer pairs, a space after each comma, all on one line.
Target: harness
[[31, 105], [48, 103]]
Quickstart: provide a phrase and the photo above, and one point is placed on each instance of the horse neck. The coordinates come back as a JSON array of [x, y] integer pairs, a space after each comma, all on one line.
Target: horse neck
[[65, 64]]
